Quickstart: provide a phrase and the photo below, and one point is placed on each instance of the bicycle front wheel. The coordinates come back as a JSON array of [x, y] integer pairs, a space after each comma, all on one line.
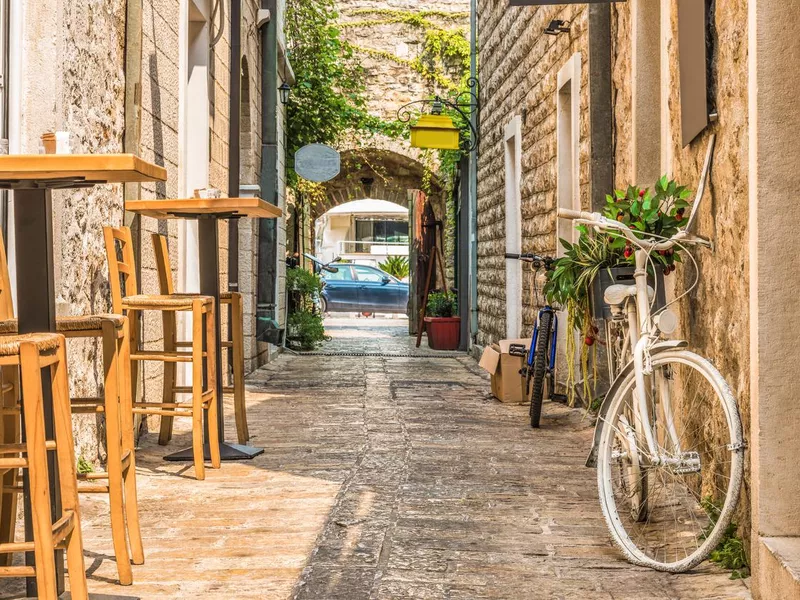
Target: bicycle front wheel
[[669, 511], [536, 374]]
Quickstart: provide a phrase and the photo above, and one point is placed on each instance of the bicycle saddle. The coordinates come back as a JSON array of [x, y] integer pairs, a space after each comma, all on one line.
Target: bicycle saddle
[[618, 293]]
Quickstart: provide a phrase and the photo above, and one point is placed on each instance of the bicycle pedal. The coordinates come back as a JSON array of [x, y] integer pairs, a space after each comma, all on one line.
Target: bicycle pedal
[[560, 398], [517, 350]]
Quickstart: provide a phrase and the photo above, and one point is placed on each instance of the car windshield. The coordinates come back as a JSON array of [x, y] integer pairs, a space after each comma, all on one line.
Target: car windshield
[[371, 274], [342, 274]]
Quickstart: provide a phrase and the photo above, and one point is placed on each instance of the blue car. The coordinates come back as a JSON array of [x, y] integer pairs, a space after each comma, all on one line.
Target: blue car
[[364, 289]]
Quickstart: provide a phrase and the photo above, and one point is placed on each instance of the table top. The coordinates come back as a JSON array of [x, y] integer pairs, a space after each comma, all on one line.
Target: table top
[[75, 170], [193, 208]]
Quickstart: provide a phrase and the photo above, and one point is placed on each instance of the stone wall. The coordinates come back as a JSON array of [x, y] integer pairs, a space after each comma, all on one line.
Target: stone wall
[[714, 318], [518, 76], [71, 76]]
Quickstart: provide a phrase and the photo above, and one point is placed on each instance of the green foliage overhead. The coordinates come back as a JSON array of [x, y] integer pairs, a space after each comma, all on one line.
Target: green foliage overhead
[[328, 98], [396, 265]]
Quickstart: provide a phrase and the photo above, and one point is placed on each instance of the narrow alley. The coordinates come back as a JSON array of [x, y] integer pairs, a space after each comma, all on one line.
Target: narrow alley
[[384, 478]]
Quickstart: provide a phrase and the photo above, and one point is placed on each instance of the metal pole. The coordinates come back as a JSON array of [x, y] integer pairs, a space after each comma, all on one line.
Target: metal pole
[[473, 177], [234, 146]]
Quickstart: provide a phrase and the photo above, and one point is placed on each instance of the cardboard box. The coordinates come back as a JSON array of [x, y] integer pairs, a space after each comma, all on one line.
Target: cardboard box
[[508, 385]]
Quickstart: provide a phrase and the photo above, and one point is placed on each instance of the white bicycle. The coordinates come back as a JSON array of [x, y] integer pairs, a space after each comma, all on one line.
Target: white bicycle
[[668, 445]]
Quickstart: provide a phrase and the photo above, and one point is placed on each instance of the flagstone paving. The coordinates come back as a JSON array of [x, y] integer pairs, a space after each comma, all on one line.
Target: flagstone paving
[[382, 478]]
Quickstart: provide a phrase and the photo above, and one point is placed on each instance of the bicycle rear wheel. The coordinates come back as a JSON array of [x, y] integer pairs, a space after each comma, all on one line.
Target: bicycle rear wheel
[[536, 374], [677, 513]]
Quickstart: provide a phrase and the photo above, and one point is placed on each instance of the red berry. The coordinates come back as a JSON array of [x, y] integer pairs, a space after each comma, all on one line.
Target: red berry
[[641, 194], [662, 252], [628, 252], [589, 340]]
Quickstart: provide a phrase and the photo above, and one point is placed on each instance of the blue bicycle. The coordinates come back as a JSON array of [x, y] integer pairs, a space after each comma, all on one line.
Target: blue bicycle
[[540, 361]]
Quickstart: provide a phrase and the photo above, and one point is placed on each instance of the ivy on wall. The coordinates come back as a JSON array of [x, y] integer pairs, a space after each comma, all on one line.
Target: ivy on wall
[[329, 100]]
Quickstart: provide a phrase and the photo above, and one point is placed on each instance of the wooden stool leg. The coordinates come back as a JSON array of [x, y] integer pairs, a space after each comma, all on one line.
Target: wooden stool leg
[[114, 448], [128, 445], [237, 335], [133, 329], [168, 394], [197, 389], [37, 467], [11, 434], [211, 377], [62, 415]]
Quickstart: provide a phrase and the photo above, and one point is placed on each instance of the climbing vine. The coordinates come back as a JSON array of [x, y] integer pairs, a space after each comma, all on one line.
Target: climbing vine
[[329, 103], [329, 96]]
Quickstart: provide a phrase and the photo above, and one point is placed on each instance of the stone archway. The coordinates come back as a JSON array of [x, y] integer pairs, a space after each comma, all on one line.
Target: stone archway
[[398, 176], [378, 174]]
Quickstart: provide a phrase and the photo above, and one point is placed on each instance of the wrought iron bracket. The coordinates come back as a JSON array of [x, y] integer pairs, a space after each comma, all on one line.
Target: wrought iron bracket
[[460, 103]]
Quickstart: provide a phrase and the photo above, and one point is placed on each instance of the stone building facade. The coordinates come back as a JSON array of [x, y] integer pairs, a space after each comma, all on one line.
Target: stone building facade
[[529, 83], [739, 315], [70, 69]]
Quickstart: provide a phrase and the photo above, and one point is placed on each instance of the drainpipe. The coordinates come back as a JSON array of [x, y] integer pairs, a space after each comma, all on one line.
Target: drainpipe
[[268, 228], [234, 133], [473, 178], [600, 106]]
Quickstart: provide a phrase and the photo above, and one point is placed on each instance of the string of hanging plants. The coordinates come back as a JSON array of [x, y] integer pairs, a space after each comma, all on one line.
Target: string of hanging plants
[[660, 211]]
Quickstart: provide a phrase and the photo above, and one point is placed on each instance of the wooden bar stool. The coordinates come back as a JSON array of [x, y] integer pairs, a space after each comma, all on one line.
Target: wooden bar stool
[[120, 476], [31, 353], [236, 343], [127, 300]]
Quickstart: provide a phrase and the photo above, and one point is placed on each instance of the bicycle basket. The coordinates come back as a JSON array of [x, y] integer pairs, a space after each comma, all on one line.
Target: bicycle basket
[[624, 276]]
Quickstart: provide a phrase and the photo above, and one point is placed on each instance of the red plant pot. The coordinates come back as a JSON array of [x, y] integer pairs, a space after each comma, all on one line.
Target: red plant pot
[[444, 333]]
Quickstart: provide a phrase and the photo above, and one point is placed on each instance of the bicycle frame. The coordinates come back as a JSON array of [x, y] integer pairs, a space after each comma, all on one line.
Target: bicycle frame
[[643, 334]]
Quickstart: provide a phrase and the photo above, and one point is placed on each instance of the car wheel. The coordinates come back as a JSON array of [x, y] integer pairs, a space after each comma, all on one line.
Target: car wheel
[[323, 305]]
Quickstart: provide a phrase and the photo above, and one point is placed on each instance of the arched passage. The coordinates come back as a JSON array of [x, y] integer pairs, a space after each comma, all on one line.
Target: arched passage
[[381, 175]]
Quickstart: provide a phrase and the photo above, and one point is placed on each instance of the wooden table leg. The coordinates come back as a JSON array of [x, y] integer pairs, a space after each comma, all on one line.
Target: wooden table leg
[[36, 310]]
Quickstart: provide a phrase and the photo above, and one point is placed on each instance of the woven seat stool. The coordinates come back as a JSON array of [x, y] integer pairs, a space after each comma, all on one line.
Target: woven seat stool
[[202, 355], [119, 479], [31, 353], [236, 344]]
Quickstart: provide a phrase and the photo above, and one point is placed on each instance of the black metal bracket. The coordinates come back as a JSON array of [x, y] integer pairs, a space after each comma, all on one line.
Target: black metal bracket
[[460, 102]]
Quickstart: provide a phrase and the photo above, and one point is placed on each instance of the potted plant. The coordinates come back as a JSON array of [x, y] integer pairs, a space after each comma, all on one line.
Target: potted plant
[[304, 329], [441, 323], [571, 282]]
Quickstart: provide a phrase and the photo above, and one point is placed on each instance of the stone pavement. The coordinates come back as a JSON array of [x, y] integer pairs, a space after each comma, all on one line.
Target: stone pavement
[[382, 478], [384, 335]]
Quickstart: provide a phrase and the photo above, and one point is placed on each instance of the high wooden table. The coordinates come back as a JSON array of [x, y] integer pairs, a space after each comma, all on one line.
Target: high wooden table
[[208, 211], [32, 177]]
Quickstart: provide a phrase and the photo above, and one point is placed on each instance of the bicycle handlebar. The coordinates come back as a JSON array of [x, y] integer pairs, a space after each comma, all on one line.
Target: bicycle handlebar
[[534, 258], [598, 220]]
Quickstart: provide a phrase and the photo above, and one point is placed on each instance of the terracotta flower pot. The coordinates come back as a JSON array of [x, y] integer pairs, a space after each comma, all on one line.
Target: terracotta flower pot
[[444, 333]]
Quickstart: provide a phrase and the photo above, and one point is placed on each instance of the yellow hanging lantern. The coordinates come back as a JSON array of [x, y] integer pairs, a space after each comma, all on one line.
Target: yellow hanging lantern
[[435, 131]]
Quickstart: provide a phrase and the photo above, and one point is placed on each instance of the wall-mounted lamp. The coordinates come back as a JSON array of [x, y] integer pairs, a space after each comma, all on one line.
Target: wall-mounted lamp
[[286, 91], [557, 27], [437, 130]]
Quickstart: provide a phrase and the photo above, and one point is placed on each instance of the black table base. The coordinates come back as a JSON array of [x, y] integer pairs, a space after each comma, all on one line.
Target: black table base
[[227, 452], [208, 239]]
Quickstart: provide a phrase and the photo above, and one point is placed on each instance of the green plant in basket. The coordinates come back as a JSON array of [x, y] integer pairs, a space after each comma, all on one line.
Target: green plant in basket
[[658, 212], [661, 211]]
